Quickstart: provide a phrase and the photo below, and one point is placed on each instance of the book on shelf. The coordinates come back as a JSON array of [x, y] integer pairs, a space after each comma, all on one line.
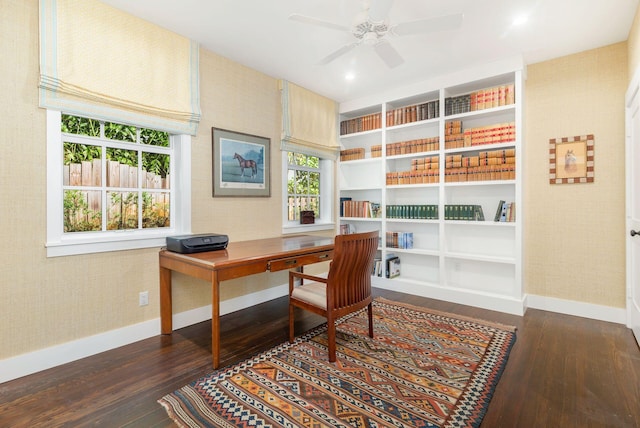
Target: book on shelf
[[392, 266], [498, 211], [499, 164], [360, 124], [360, 209], [412, 212], [506, 212], [496, 96], [377, 267], [347, 229], [402, 240], [464, 212], [342, 200], [351, 154], [418, 145], [413, 113]]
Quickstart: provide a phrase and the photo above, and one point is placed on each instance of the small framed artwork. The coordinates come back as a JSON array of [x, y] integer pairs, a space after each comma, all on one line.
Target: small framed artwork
[[241, 164], [571, 159]]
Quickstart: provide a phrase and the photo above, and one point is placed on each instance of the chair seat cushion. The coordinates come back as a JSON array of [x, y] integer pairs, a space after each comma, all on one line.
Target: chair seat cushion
[[313, 293]]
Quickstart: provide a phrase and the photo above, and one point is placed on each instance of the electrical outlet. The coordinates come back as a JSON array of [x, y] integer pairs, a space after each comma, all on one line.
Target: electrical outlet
[[143, 298]]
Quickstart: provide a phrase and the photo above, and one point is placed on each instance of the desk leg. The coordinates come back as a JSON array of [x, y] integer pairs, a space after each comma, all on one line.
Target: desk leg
[[166, 311], [215, 319]]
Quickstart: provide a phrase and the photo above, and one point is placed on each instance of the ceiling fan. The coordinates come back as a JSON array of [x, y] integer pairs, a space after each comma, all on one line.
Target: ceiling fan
[[371, 27]]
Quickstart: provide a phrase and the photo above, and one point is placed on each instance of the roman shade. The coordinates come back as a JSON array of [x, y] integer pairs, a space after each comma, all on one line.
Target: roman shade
[[309, 122], [99, 62]]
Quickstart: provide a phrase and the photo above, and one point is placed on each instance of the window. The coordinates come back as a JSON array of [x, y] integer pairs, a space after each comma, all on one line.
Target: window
[[308, 187], [112, 186]]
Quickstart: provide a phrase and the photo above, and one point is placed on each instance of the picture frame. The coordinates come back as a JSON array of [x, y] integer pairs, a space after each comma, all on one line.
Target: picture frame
[[241, 164], [571, 159]]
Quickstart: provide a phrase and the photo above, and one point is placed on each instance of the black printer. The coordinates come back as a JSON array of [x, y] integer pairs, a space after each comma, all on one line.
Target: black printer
[[196, 243]]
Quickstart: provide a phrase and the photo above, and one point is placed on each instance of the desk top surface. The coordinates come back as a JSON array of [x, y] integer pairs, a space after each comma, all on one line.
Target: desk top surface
[[255, 250]]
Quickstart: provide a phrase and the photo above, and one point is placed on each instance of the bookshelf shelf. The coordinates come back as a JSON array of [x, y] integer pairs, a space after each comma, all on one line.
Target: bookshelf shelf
[[481, 258], [469, 160], [361, 219], [485, 223]]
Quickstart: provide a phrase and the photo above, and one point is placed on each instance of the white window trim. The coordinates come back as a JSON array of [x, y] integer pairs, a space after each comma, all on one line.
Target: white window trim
[[326, 221], [60, 244]]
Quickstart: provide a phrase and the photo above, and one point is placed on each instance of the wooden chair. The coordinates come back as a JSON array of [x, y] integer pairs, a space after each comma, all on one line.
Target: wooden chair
[[346, 289]]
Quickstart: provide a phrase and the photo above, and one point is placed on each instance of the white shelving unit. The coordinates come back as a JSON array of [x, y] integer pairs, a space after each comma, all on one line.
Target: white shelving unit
[[477, 263]]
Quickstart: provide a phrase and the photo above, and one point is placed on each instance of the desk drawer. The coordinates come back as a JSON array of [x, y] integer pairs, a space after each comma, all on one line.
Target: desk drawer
[[294, 262]]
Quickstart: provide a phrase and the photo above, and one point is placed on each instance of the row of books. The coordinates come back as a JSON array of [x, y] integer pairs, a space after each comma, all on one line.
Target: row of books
[[402, 240], [480, 173], [361, 209], [399, 148], [413, 146], [413, 113], [494, 157], [426, 176], [390, 268], [351, 154], [479, 100], [492, 134], [506, 212], [463, 212], [361, 124], [471, 161], [429, 162], [425, 212]]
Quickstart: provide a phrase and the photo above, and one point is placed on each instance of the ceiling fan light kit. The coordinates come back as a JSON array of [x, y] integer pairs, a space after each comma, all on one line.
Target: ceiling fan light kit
[[371, 27]]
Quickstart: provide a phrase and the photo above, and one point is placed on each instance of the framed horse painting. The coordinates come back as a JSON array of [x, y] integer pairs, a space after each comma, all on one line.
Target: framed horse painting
[[241, 164], [571, 159]]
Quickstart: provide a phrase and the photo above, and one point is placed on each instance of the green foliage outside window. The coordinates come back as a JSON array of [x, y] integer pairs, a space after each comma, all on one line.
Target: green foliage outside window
[[116, 131], [126, 216], [154, 214], [122, 209], [78, 217], [156, 163], [80, 126], [303, 184]]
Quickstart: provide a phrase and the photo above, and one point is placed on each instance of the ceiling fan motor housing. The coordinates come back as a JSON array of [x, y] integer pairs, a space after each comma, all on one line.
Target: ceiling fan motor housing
[[370, 32]]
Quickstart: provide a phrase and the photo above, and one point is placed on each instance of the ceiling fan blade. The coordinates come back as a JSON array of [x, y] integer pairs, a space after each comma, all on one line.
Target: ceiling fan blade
[[441, 23], [389, 55], [343, 50], [379, 10], [316, 21]]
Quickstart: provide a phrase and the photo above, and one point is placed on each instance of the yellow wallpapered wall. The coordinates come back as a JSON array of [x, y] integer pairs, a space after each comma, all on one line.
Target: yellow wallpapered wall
[[48, 301], [574, 233]]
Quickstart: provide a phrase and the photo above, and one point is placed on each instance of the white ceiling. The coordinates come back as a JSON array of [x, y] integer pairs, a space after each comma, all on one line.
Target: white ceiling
[[260, 35]]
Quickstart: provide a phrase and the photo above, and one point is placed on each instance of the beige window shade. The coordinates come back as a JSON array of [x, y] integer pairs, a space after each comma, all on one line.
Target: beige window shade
[[309, 121], [98, 61]]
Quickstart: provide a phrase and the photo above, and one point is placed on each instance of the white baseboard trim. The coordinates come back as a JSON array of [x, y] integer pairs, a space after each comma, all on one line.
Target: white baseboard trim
[[43, 359], [579, 309], [482, 300]]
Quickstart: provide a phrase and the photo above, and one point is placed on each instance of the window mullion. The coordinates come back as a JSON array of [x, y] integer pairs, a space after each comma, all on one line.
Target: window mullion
[[139, 189]]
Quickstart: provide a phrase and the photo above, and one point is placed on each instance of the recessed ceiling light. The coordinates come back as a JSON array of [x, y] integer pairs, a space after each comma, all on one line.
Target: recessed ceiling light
[[350, 76], [520, 20]]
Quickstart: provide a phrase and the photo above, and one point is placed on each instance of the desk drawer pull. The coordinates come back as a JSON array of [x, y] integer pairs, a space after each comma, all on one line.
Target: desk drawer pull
[[291, 262], [323, 256]]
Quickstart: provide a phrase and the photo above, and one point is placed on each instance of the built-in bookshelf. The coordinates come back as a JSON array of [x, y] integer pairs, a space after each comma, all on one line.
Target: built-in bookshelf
[[440, 179]]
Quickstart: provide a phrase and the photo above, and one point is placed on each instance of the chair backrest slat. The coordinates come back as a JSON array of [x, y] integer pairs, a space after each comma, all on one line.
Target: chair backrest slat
[[349, 279]]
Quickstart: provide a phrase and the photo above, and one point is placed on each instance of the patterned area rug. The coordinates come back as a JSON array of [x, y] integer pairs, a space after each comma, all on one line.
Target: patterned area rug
[[422, 369]]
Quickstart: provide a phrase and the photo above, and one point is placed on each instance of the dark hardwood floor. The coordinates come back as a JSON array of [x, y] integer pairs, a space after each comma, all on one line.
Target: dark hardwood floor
[[563, 371]]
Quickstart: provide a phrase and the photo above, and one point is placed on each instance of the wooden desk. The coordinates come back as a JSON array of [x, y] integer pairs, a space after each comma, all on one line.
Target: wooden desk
[[237, 260]]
